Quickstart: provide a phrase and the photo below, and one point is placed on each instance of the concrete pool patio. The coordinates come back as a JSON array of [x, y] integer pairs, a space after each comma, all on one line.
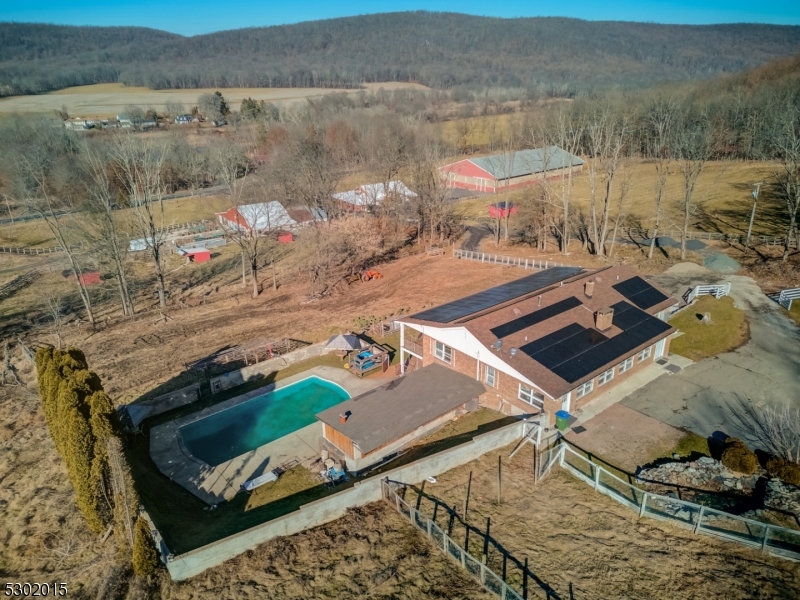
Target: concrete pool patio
[[222, 482]]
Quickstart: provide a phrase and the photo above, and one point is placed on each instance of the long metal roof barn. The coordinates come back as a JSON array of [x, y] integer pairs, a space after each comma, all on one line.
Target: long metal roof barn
[[526, 162]]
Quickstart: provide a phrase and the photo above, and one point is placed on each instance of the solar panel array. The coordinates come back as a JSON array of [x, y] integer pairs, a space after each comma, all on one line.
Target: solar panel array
[[458, 309], [574, 351], [535, 317], [641, 293]]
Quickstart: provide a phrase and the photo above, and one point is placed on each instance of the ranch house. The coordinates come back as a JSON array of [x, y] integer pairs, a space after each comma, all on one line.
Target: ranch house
[[510, 170], [551, 341]]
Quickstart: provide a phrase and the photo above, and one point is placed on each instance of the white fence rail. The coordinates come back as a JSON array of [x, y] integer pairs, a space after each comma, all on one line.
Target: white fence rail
[[717, 290], [474, 567], [511, 261], [769, 539], [786, 296]]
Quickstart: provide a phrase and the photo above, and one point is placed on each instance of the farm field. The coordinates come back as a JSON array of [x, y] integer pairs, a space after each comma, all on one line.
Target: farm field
[[108, 99]]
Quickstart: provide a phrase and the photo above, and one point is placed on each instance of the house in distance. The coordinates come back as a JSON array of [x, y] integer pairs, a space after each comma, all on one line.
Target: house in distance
[[372, 194], [263, 216], [510, 170], [551, 341]]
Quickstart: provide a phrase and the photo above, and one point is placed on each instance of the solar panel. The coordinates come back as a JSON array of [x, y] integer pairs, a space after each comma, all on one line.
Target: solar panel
[[458, 309], [574, 351], [641, 293], [535, 317]]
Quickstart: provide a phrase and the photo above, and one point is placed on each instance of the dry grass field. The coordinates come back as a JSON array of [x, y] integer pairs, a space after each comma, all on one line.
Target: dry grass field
[[585, 546], [722, 198], [108, 99]]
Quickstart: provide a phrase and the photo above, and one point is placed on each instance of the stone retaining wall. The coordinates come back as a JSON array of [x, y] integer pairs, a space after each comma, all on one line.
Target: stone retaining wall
[[331, 508]]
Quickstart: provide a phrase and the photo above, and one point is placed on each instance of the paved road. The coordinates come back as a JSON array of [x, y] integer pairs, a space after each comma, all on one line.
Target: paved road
[[716, 396]]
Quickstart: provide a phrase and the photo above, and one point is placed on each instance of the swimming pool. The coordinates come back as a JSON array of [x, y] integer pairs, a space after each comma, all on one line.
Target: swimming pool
[[224, 435]]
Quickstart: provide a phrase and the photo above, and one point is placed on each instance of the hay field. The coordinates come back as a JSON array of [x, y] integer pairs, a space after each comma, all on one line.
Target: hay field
[[108, 99]]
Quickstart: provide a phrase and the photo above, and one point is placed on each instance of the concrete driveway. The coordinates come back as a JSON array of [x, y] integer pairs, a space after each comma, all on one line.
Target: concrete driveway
[[717, 395]]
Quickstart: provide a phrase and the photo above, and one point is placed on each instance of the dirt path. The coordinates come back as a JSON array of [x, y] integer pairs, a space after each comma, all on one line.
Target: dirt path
[[584, 545]]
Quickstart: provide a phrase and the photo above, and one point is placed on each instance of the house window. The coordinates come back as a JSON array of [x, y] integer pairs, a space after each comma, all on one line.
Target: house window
[[606, 377], [584, 389], [443, 353], [526, 394], [644, 354], [491, 376], [625, 365]]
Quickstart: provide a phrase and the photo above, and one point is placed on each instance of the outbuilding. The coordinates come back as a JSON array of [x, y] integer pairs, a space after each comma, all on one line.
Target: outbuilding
[[368, 428], [510, 170]]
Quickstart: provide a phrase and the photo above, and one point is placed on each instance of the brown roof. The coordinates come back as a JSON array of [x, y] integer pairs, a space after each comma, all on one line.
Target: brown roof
[[398, 408], [518, 324]]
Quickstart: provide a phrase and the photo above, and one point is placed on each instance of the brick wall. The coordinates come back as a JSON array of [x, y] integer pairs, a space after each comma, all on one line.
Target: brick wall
[[504, 396]]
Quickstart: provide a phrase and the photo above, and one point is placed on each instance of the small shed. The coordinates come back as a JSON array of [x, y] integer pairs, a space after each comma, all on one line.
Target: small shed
[[198, 255], [285, 237], [86, 278]]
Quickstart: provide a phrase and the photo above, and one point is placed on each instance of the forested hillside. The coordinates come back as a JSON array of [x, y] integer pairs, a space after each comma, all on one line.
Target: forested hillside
[[555, 56]]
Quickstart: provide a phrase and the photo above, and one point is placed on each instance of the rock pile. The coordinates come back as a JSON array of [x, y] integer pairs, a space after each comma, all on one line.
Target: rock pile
[[703, 474], [782, 496]]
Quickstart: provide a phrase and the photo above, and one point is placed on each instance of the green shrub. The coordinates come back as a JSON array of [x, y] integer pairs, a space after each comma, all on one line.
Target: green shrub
[[786, 471], [145, 554], [738, 457]]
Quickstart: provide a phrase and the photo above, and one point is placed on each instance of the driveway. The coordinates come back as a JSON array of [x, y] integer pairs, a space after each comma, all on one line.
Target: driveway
[[716, 396]]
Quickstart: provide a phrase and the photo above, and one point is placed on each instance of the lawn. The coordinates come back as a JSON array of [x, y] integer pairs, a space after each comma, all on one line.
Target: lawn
[[727, 331], [794, 312]]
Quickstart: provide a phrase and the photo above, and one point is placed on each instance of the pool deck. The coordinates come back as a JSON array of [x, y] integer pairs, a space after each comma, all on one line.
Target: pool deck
[[217, 484]]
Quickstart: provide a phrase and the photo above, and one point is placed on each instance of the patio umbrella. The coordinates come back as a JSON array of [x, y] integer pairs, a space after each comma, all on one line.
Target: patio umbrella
[[343, 342]]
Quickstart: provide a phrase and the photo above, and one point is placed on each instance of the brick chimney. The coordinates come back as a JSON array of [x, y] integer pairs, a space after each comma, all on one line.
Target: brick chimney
[[603, 318], [588, 288]]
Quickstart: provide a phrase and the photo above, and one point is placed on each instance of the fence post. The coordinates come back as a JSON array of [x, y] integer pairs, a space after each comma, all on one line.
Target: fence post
[[644, 503], [429, 528], [764, 541], [699, 518], [483, 574], [596, 476]]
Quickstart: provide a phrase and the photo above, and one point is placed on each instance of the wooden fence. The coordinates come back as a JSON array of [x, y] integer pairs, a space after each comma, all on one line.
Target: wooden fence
[[477, 569], [16, 284], [716, 290], [512, 261], [776, 541]]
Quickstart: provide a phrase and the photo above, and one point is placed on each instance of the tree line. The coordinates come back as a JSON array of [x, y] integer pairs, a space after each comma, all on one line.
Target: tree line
[[557, 56]]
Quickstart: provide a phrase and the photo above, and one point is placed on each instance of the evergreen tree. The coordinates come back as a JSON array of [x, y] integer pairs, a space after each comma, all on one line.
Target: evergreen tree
[[145, 554], [79, 417]]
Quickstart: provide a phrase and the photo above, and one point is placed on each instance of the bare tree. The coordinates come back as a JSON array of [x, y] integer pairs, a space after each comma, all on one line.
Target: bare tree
[[54, 305], [785, 140], [659, 123], [138, 162], [607, 137], [433, 203], [693, 145], [305, 171], [40, 147], [100, 227]]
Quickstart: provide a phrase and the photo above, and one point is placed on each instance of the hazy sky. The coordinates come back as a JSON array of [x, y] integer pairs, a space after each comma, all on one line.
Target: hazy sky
[[191, 17]]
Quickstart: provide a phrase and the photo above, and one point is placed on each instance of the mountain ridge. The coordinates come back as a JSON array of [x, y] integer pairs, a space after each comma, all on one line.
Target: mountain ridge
[[554, 55]]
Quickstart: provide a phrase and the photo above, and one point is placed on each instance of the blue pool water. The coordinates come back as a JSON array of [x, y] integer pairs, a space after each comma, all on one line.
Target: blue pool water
[[246, 426]]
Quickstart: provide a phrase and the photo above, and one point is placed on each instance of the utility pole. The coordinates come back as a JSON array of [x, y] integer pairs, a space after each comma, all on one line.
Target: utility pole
[[752, 216]]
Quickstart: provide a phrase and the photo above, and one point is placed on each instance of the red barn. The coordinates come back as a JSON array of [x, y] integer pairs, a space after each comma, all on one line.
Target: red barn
[[510, 170]]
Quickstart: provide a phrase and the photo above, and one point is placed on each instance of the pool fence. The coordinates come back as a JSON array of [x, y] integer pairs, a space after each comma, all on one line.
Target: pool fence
[[335, 506]]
